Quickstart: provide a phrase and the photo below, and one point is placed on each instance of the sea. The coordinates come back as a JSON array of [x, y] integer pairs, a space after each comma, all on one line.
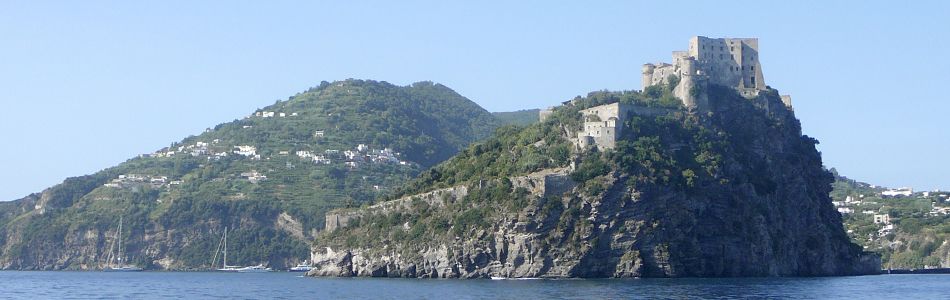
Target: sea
[[284, 285]]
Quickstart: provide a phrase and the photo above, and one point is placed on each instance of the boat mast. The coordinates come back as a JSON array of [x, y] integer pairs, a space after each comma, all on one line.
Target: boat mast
[[225, 248], [119, 258]]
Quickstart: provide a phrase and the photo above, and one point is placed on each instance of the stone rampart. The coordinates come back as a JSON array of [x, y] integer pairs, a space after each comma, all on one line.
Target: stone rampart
[[542, 183]]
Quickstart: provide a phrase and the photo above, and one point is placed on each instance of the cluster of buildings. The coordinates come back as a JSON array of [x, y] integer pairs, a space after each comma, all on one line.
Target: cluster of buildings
[[271, 114], [198, 149], [904, 191], [353, 159], [843, 206], [135, 180], [254, 176]]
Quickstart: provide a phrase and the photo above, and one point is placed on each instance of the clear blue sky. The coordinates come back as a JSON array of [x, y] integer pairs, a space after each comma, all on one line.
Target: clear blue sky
[[85, 85]]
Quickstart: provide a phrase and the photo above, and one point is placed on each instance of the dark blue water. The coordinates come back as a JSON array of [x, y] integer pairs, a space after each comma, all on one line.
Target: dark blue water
[[200, 285]]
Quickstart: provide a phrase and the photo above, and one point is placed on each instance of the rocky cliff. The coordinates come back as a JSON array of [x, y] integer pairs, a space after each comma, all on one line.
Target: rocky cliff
[[732, 191]]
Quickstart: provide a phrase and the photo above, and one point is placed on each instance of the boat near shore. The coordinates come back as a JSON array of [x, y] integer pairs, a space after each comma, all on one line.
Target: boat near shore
[[119, 266], [304, 267], [254, 269]]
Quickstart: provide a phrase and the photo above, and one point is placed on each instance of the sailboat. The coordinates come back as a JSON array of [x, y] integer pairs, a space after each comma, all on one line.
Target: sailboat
[[120, 267], [224, 267]]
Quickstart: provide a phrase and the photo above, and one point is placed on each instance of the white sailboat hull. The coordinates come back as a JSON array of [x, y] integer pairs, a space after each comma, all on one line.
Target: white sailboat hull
[[123, 269], [254, 269]]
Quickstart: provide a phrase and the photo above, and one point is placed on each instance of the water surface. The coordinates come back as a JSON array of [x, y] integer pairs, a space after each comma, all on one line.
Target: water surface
[[282, 285]]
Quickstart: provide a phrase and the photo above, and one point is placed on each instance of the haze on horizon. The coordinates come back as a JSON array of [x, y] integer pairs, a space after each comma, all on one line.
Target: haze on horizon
[[87, 86]]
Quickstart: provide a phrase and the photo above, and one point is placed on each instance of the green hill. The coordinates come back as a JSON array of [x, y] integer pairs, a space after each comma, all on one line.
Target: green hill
[[521, 117], [269, 177]]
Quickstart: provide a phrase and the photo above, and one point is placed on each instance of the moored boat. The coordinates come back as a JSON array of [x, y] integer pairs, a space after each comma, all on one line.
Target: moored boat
[[224, 266], [304, 267], [254, 269], [119, 267]]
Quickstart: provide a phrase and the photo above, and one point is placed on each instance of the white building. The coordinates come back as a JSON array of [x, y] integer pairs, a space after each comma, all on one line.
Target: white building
[[246, 150], [882, 218], [904, 191]]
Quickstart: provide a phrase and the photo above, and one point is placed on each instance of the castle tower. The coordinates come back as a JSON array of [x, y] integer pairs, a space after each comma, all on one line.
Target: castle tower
[[728, 62], [648, 75]]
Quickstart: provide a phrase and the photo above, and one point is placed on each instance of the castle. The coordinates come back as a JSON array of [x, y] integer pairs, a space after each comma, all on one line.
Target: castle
[[727, 62]]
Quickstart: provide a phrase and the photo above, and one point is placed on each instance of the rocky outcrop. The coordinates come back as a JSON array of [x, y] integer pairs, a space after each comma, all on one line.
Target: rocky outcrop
[[765, 212]]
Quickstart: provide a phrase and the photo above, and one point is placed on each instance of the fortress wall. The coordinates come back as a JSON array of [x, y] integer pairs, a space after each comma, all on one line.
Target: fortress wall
[[544, 113], [340, 218], [660, 74], [651, 111], [607, 111], [787, 100]]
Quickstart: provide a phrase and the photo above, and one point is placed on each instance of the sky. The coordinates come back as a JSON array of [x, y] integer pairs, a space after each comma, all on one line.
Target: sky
[[86, 85]]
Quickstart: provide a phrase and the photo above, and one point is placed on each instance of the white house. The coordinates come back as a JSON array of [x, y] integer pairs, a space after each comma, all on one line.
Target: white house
[[904, 191], [246, 150], [882, 218]]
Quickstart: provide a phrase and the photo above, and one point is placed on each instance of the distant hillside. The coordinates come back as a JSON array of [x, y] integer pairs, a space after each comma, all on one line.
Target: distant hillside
[[915, 233], [269, 177], [521, 117], [732, 191]]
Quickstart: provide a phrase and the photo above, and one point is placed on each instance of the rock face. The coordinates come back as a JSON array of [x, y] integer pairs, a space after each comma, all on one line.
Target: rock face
[[765, 212]]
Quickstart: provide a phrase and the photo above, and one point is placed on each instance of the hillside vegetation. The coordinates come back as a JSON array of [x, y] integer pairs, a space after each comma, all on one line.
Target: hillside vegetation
[[920, 224], [520, 118], [269, 177]]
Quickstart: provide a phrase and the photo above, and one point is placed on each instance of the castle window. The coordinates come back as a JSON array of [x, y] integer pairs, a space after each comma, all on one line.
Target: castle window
[[732, 48], [704, 47], [753, 80], [720, 48], [720, 56], [732, 56], [752, 67]]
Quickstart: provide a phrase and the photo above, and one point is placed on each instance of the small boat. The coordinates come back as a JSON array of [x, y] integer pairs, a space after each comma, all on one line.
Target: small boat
[[304, 267], [119, 266], [123, 269], [498, 278], [254, 269]]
